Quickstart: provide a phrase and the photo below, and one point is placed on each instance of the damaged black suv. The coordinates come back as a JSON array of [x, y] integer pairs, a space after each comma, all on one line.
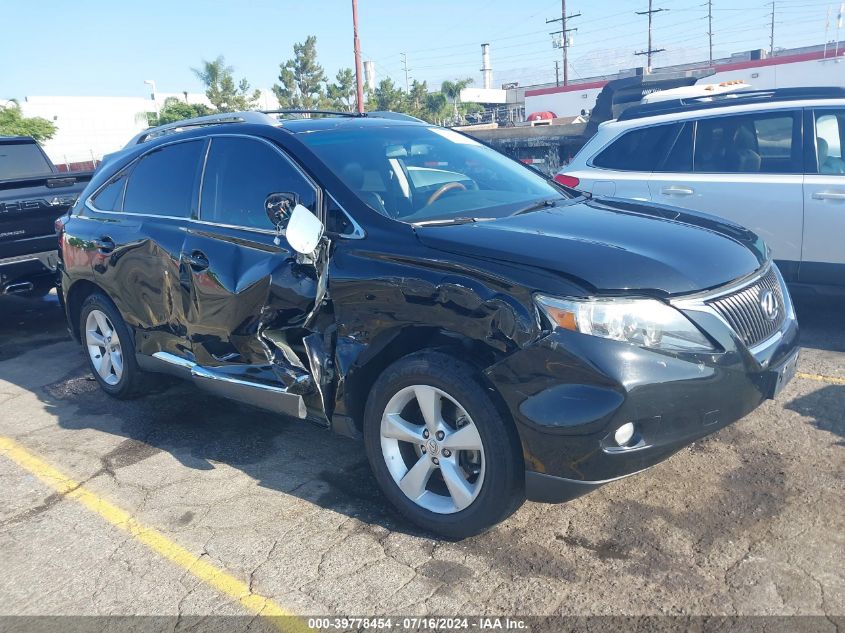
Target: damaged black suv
[[489, 335]]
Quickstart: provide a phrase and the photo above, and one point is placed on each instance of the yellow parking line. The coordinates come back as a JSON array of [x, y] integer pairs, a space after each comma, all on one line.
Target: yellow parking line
[[833, 380], [155, 540]]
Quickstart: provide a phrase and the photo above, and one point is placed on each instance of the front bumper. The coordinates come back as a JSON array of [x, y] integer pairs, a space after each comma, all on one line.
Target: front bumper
[[569, 392]]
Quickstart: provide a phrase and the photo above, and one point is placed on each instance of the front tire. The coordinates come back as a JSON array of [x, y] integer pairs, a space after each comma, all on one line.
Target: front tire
[[109, 348], [440, 449]]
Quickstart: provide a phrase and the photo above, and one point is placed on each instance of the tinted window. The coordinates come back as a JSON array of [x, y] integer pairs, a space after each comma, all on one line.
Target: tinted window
[[110, 196], [756, 143], [829, 127], [337, 220], [21, 160], [240, 174], [638, 150], [680, 156], [162, 183]]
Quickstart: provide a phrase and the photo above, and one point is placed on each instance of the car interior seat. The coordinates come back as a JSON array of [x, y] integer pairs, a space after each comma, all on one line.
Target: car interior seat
[[742, 155], [353, 175], [828, 164]]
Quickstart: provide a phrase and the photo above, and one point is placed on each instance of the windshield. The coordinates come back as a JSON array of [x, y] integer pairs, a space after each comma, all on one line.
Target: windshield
[[416, 174]]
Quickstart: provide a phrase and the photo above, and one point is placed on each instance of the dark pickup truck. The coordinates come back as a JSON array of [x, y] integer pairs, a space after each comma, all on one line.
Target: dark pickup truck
[[32, 195]]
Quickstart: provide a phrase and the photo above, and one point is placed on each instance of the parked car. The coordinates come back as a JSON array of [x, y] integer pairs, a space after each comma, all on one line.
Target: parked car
[[490, 335], [769, 160], [32, 195]]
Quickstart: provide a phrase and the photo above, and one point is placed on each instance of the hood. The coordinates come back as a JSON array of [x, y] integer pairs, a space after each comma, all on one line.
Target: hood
[[610, 245]]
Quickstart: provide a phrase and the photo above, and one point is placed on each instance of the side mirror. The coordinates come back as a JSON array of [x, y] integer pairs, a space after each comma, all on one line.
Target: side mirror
[[304, 230], [278, 207]]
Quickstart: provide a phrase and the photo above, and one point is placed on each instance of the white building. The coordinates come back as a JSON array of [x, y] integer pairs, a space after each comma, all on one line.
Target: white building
[[795, 68], [89, 127]]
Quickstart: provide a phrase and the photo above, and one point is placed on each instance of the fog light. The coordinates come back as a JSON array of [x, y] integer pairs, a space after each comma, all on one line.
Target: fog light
[[624, 433]]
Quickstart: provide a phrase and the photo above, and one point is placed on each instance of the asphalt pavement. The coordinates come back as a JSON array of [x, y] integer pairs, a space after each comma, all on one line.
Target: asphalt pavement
[[183, 505]]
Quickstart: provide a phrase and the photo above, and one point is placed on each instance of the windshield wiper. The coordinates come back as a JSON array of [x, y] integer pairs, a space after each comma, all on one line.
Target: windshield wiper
[[536, 206], [449, 221]]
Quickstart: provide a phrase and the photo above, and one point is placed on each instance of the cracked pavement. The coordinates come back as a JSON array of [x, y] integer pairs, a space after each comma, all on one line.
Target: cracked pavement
[[749, 521]]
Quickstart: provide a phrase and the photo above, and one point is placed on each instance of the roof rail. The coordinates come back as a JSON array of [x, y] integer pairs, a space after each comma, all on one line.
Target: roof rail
[[307, 111], [251, 116], [741, 97]]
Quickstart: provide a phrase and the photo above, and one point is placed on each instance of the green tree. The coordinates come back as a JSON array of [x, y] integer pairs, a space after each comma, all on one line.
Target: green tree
[[342, 93], [175, 109], [388, 96], [452, 91], [220, 87], [14, 123], [302, 78], [417, 97]]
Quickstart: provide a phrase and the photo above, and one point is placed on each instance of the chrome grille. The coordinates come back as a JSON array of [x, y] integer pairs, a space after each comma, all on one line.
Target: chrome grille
[[745, 313]]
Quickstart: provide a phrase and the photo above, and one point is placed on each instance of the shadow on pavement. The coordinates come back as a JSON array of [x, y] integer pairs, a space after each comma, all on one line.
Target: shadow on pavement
[[825, 408], [199, 430], [822, 322], [27, 323]]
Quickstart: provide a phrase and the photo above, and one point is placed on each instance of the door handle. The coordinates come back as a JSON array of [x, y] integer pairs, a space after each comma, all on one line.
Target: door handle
[[829, 195], [677, 191], [105, 244], [196, 260]]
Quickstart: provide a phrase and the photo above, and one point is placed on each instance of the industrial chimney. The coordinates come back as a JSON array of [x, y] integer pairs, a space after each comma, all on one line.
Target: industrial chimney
[[486, 70], [370, 74]]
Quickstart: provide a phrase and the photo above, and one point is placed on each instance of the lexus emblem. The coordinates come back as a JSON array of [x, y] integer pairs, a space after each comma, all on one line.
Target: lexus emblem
[[769, 303]]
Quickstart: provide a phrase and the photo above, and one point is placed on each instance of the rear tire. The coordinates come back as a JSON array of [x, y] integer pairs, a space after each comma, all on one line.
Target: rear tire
[[110, 349], [440, 449]]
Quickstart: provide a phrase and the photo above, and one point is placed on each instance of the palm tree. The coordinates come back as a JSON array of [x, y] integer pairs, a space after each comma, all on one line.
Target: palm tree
[[452, 90]]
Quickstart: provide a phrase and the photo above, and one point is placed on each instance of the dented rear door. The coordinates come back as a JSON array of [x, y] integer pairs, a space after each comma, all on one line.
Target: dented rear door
[[247, 296], [134, 240]]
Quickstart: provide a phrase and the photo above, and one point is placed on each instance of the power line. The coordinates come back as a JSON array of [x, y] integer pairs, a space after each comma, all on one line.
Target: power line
[[710, 29], [772, 34], [650, 51], [406, 69], [564, 37]]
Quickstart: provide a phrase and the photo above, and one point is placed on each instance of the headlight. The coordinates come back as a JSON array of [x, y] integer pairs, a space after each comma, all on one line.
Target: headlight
[[645, 322]]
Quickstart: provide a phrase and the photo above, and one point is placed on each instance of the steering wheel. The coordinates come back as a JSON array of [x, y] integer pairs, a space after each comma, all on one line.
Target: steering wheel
[[443, 189]]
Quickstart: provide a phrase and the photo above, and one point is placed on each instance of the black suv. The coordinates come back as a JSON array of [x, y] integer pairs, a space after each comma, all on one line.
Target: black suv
[[490, 335]]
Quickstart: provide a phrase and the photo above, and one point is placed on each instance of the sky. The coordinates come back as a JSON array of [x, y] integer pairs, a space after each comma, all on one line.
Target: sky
[[108, 47]]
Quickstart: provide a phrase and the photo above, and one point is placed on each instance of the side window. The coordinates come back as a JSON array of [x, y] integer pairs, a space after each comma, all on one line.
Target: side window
[[239, 175], [162, 183], [830, 124], [763, 143], [338, 220], [110, 197], [638, 150], [679, 159]]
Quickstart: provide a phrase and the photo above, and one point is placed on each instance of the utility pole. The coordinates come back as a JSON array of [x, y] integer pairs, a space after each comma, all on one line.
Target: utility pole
[[359, 73], [564, 37], [710, 27], [405, 66], [772, 35], [557, 73], [650, 51]]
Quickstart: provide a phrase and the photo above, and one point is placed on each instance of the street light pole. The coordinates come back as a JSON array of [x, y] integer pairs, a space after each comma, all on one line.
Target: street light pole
[[154, 96], [359, 78]]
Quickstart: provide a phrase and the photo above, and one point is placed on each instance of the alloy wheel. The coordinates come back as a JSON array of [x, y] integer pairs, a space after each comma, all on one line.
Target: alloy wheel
[[104, 347], [432, 449]]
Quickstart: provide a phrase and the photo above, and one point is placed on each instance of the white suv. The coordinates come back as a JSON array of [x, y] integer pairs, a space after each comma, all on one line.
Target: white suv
[[769, 160]]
